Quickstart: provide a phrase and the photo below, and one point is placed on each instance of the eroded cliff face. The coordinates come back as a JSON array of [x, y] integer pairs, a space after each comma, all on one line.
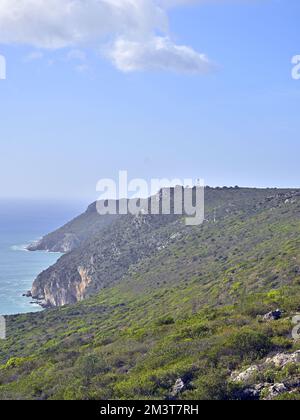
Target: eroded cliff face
[[82, 287], [59, 290]]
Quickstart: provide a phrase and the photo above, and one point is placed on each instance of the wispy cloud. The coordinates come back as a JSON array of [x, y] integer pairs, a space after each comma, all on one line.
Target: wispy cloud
[[157, 53], [130, 25]]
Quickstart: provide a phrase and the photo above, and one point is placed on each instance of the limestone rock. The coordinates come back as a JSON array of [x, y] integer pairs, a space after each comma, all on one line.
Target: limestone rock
[[178, 387], [245, 375], [276, 390], [282, 359]]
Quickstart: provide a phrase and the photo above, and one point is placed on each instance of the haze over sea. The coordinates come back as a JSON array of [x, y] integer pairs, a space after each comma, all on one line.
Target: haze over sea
[[22, 222]]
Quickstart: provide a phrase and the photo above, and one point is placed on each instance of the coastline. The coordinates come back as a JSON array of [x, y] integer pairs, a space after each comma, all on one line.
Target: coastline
[[30, 248], [19, 269]]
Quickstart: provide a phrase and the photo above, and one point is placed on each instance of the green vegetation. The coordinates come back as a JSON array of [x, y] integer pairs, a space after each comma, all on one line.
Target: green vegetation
[[192, 310]]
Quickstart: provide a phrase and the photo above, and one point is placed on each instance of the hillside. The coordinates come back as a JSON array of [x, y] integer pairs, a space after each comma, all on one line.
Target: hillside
[[170, 305], [107, 246], [74, 233]]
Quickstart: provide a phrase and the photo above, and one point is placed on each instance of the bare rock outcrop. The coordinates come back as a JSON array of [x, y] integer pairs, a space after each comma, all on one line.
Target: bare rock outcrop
[[280, 360], [267, 390]]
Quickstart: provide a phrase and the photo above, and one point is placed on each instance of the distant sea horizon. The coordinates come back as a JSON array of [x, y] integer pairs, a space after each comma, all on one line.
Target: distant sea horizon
[[23, 222]]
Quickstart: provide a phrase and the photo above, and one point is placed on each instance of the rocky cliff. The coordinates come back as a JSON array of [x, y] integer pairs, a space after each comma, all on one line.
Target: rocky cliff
[[103, 259], [74, 233], [100, 250]]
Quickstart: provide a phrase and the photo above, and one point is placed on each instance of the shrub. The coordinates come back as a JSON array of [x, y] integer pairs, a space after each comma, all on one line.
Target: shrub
[[213, 386], [165, 321], [90, 365], [247, 345]]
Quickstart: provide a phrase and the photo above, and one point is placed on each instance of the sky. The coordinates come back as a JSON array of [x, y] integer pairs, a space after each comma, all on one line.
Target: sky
[[160, 88]]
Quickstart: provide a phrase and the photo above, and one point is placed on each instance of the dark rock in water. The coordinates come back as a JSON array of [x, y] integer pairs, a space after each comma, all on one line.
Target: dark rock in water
[[273, 316], [41, 303], [27, 294]]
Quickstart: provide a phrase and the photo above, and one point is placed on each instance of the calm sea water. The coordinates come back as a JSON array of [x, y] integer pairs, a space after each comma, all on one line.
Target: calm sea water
[[22, 222]]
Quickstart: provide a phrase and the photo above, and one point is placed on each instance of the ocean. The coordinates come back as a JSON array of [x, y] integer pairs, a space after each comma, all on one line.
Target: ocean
[[22, 222]]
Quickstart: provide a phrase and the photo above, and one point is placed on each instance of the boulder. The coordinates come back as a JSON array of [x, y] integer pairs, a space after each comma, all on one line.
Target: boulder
[[282, 359], [246, 375], [276, 390], [178, 387], [273, 316]]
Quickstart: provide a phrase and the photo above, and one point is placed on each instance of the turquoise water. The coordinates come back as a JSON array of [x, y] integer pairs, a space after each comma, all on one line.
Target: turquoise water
[[18, 269], [21, 223]]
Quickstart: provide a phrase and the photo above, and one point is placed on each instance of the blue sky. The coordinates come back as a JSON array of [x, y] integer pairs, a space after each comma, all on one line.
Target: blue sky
[[70, 115]]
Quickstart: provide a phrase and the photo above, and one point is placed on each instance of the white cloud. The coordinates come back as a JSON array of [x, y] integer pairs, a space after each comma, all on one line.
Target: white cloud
[[130, 25], [56, 24], [158, 53], [172, 3]]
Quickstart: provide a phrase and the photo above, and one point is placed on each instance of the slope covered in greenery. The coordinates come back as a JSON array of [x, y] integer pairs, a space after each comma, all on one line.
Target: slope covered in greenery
[[192, 310], [115, 243]]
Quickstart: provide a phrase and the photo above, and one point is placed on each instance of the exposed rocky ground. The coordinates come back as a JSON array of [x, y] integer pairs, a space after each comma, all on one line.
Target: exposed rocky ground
[[270, 389]]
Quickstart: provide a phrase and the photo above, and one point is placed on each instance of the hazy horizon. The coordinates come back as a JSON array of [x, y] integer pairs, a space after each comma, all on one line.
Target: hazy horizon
[[82, 201]]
